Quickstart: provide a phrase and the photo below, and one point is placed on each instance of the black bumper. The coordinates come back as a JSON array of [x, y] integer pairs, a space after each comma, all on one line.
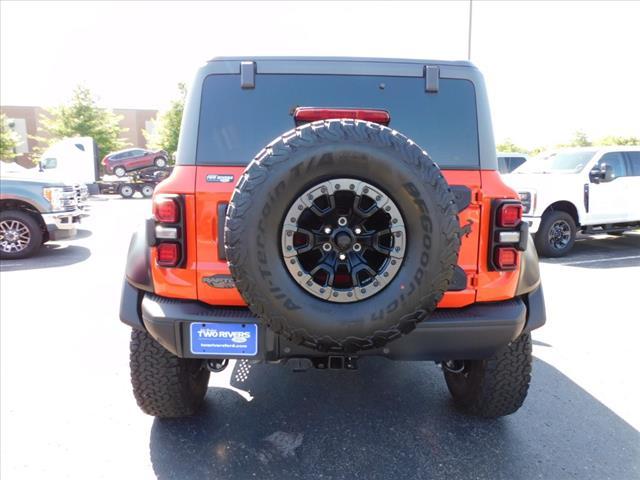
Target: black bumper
[[473, 332]]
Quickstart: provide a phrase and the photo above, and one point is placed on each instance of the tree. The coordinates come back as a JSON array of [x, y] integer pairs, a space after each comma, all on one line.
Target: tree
[[614, 140], [580, 139], [82, 117], [537, 151], [508, 146], [167, 125], [9, 139]]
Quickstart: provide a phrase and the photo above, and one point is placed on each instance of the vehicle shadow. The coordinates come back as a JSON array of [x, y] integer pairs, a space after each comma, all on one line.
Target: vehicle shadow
[[390, 420], [609, 252], [82, 233], [50, 255]]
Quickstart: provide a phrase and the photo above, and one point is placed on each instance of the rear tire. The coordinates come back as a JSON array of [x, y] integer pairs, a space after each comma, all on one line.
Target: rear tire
[[547, 238], [494, 387], [164, 385], [160, 162], [29, 234]]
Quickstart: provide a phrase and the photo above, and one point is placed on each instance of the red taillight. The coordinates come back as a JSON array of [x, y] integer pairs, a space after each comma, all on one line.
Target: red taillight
[[168, 254], [506, 258], [169, 231], [509, 215], [166, 209], [311, 114]]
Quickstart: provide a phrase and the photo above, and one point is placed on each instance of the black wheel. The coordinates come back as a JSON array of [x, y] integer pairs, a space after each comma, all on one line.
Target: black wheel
[[20, 234], [494, 387], [147, 191], [165, 385], [160, 162], [556, 235], [342, 235], [126, 191], [119, 171]]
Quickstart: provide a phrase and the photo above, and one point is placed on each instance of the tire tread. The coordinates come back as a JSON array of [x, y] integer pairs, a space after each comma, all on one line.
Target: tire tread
[[504, 381], [160, 380]]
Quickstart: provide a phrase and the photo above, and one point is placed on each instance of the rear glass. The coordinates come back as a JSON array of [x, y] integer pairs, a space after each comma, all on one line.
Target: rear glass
[[235, 123]]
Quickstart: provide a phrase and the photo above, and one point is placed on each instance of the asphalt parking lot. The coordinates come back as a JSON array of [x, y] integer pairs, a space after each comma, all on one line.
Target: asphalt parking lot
[[68, 411]]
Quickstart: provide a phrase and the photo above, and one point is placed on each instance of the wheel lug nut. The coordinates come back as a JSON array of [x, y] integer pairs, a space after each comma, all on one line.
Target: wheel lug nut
[[358, 230], [327, 230], [326, 246], [342, 221], [342, 256], [356, 247]]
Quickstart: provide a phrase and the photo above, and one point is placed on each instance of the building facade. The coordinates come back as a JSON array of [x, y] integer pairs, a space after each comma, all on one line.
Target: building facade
[[25, 121]]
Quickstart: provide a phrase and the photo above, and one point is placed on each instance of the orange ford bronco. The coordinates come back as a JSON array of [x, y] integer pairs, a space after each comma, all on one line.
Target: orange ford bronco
[[323, 210]]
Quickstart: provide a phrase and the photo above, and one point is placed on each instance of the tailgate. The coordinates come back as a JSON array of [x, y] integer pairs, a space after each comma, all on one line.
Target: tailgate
[[214, 187]]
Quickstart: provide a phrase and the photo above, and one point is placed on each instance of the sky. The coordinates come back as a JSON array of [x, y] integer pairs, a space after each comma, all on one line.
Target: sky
[[551, 68]]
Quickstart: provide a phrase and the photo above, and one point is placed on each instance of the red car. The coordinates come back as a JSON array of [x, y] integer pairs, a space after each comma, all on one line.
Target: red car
[[123, 161]]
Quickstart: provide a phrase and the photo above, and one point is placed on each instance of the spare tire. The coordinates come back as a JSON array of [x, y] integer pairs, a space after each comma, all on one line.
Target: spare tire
[[342, 235]]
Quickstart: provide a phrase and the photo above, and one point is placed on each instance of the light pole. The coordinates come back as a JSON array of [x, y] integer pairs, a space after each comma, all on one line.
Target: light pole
[[470, 17]]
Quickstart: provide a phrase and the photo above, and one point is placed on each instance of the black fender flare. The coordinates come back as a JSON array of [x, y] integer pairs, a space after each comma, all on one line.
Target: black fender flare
[[138, 269], [529, 277], [137, 279], [530, 288]]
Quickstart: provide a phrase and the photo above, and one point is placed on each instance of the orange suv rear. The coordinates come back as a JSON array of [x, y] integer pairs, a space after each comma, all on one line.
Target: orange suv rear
[[325, 210]]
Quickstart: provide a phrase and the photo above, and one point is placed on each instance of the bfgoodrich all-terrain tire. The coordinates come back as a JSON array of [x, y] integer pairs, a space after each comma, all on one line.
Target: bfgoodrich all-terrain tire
[[494, 387], [338, 160], [165, 385]]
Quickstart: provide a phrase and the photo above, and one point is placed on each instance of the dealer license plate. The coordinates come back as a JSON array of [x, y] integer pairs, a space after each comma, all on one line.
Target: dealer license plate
[[224, 339]]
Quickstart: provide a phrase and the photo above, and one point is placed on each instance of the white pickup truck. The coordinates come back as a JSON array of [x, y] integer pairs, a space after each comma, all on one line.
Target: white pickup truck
[[592, 190]]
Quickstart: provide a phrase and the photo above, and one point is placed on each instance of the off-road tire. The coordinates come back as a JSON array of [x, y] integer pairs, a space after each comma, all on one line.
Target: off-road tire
[[160, 162], [164, 385], [494, 387], [541, 239], [338, 149], [119, 171], [35, 232]]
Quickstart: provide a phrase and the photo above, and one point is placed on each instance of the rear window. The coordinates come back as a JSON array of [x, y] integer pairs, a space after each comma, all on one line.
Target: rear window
[[235, 124]]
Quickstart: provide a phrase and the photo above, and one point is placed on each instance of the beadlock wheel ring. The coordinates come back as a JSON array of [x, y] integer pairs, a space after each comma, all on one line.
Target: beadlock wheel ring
[[343, 274]]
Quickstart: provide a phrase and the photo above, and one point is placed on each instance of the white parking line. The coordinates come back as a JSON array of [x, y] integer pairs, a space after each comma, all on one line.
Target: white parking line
[[580, 262]]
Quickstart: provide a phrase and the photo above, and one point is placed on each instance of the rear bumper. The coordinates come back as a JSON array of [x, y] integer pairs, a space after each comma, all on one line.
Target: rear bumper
[[473, 332]]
